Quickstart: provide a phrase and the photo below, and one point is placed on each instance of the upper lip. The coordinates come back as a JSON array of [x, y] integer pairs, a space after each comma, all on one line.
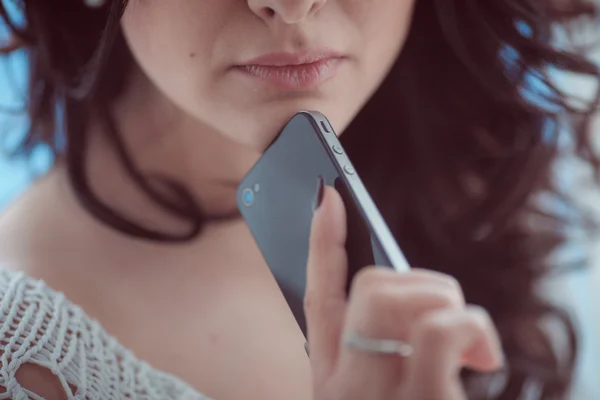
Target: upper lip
[[284, 59]]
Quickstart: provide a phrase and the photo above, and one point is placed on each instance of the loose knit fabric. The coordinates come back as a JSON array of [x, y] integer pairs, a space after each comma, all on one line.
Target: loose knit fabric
[[39, 326]]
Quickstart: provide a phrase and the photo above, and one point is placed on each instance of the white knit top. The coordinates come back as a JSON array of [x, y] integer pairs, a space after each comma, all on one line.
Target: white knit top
[[39, 326]]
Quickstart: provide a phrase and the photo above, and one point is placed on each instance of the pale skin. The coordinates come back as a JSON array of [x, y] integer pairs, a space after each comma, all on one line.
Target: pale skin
[[209, 311]]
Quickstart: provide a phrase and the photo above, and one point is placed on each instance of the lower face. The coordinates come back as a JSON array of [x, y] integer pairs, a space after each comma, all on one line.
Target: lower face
[[243, 68]]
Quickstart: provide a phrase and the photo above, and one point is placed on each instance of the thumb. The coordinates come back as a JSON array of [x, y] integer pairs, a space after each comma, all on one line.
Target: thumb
[[325, 299]]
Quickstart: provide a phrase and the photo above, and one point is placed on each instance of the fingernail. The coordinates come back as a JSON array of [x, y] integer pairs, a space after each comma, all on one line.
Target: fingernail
[[319, 194]]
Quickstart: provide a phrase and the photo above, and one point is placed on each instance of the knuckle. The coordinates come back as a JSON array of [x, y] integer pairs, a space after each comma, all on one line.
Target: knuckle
[[374, 292], [435, 330], [311, 301], [314, 303], [364, 279], [373, 276], [453, 283], [481, 317], [481, 311], [377, 299], [450, 299], [449, 280], [436, 277], [455, 288]]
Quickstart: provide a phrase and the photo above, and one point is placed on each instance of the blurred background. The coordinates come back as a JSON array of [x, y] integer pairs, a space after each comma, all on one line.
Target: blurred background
[[579, 289]]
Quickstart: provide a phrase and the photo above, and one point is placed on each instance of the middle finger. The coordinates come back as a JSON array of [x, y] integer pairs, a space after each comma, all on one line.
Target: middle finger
[[386, 310]]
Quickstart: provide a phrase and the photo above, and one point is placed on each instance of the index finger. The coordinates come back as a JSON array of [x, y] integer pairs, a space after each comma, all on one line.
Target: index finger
[[325, 299]]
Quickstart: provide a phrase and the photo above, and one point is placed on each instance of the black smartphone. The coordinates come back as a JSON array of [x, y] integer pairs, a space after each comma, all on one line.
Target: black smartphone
[[276, 200]]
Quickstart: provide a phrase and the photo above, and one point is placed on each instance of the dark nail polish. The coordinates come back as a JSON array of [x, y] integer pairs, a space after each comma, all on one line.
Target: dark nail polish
[[319, 195]]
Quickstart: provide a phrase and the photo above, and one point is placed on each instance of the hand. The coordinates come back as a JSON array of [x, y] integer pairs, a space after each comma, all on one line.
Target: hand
[[424, 309]]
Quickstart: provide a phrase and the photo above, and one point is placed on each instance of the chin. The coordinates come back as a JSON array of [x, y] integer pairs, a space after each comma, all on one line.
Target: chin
[[255, 121], [335, 111], [274, 108], [260, 134]]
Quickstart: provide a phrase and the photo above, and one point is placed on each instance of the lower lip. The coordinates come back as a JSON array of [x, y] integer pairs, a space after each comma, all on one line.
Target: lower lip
[[293, 77]]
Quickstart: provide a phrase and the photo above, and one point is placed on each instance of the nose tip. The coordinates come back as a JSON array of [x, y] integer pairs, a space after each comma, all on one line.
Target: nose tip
[[294, 15], [288, 11]]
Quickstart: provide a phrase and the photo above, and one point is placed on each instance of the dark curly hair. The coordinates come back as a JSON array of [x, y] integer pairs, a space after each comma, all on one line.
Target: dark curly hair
[[456, 148]]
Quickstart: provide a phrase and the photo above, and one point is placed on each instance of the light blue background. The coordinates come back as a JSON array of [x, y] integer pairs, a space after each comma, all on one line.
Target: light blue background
[[17, 174]]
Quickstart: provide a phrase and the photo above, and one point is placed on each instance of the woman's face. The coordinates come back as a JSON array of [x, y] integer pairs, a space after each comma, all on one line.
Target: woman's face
[[243, 67]]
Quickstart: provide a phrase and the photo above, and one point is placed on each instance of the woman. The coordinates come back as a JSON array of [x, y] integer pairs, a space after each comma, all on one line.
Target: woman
[[156, 109]]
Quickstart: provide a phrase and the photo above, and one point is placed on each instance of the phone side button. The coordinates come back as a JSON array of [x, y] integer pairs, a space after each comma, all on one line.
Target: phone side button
[[349, 170], [337, 149]]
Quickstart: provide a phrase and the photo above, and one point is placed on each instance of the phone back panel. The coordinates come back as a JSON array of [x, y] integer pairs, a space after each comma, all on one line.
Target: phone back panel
[[276, 199]]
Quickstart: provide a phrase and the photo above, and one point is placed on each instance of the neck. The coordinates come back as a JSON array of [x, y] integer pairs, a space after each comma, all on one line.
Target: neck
[[163, 140]]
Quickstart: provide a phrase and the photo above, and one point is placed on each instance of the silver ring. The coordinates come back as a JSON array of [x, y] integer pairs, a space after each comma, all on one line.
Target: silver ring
[[379, 346]]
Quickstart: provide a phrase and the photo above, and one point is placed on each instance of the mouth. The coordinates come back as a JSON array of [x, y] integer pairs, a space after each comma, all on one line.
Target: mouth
[[287, 71]]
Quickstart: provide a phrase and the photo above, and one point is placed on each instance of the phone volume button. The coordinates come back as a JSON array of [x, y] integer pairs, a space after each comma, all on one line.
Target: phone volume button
[[349, 170], [337, 149], [325, 127]]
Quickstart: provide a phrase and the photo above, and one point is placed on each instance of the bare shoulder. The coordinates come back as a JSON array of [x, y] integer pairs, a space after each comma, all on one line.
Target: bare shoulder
[[27, 249], [37, 230], [42, 236], [48, 287]]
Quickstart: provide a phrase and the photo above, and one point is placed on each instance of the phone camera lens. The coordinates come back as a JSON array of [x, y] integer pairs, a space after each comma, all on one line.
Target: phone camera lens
[[247, 197]]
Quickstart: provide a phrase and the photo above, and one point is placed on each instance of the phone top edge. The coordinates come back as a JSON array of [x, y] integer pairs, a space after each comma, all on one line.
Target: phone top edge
[[313, 114], [371, 213]]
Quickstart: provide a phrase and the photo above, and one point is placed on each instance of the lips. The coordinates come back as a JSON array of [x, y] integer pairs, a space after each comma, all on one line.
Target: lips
[[288, 71]]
